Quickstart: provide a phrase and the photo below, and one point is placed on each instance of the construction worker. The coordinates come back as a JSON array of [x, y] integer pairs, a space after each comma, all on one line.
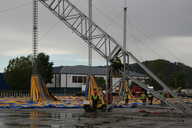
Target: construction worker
[[126, 98], [95, 99], [104, 96], [143, 98], [150, 98]]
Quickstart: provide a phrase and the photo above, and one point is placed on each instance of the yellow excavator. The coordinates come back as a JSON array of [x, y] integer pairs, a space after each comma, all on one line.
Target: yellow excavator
[[96, 99]]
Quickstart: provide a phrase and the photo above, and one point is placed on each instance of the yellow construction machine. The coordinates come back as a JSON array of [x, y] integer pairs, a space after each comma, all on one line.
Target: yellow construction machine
[[96, 99]]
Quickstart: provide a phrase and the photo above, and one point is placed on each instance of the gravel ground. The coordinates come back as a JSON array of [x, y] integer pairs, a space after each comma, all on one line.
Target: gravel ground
[[77, 118]]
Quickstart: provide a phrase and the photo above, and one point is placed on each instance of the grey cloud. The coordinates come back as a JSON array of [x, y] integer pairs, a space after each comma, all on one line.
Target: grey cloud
[[149, 23]]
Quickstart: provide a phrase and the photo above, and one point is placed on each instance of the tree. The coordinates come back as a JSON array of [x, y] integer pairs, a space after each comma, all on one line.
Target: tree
[[18, 72], [45, 67], [172, 74], [178, 80]]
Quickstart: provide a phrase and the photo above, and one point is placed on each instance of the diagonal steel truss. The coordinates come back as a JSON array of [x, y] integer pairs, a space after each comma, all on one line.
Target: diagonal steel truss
[[101, 42]]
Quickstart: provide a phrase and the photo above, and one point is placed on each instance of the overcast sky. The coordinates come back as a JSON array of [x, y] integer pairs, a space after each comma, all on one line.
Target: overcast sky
[[156, 29]]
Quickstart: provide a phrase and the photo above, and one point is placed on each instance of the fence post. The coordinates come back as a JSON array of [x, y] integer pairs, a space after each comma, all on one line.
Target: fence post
[[27, 92]]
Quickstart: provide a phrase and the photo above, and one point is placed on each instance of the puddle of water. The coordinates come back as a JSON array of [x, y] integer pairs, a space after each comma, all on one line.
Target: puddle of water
[[77, 118]]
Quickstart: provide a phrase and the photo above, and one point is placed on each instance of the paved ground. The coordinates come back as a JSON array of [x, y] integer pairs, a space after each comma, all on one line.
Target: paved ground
[[77, 118]]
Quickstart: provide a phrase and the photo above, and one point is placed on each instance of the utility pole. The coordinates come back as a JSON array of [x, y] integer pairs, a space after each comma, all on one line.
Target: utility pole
[[125, 36], [125, 57], [90, 35], [35, 35], [90, 39]]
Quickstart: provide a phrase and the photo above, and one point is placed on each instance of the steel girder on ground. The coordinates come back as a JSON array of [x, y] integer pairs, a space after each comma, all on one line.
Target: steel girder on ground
[[101, 42]]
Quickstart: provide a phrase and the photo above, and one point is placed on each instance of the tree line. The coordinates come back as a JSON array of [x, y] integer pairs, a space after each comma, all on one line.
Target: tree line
[[19, 70]]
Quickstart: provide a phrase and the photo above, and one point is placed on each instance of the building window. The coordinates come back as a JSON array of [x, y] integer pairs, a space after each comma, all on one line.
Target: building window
[[57, 80], [79, 79]]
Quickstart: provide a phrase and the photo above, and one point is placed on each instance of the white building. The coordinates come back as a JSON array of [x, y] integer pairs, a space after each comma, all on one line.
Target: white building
[[75, 76]]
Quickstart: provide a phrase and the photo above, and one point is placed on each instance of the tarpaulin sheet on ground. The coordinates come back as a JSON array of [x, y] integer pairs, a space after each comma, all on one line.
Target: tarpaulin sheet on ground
[[64, 102]]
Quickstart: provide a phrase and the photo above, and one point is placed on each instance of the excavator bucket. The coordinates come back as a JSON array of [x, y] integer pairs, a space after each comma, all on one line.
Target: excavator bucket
[[39, 92]]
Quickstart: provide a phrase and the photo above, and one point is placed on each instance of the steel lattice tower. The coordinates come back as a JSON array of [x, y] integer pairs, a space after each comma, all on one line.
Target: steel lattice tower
[[35, 34]]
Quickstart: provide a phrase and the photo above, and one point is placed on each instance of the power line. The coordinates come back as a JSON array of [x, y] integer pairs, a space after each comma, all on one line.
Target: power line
[[109, 22], [14, 8], [109, 17], [49, 30], [148, 36], [138, 30], [140, 41]]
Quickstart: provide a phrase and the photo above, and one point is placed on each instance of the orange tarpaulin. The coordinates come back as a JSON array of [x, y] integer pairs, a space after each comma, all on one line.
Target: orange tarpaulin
[[39, 92]]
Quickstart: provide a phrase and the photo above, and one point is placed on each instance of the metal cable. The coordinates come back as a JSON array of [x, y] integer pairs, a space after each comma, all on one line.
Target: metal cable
[[14, 8]]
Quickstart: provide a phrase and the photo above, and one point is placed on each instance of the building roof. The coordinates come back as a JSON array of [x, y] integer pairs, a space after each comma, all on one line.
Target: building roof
[[84, 70], [80, 69]]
